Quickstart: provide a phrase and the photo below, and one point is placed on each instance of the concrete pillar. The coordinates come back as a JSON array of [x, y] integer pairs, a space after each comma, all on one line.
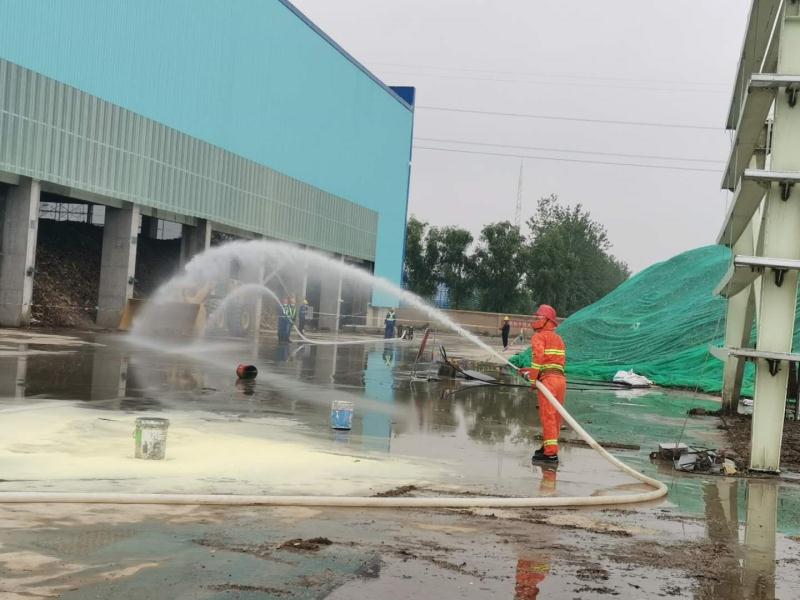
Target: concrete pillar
[[109, 375], [721, 500], [362, 294], [781, 224], [300, 281], [300, 287], [330, 300], [21, 380], [117, 265], [722, 511], [194, 240], [20, 226], [258, 301], [356, 295], [325, 363], [758, 566], [13, 374]]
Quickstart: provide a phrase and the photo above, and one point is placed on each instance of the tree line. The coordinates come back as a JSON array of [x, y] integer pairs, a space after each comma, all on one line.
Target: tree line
[[562, 259]]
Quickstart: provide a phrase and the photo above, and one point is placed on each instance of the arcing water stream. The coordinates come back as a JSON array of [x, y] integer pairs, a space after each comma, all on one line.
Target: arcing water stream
[[237, 269], [213, 268]]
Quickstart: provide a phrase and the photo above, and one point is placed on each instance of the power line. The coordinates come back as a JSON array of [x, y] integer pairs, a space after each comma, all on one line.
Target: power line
[[565, 150], [559, 118], [570, 160], [720, 84], [518, 209], [577, 83]]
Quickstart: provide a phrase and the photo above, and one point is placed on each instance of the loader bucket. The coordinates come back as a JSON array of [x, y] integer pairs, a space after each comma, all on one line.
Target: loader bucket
[[178, 318]]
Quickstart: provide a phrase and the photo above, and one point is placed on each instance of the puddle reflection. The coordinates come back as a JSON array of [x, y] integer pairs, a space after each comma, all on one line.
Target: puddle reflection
[[746, 568], [479, 427], [530, 573]]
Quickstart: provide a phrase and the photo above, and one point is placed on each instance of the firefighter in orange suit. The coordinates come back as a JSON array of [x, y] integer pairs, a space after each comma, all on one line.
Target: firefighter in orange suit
[[548, 359]]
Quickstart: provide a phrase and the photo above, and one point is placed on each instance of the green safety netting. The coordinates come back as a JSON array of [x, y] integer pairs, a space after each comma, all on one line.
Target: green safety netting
[[660, 324]]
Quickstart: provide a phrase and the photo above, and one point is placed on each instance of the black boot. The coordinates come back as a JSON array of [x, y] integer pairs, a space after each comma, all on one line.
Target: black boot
[[544, 458], [538, 453]]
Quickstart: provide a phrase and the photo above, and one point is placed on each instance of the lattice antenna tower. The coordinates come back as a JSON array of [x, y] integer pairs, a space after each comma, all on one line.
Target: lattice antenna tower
[[518, 213]]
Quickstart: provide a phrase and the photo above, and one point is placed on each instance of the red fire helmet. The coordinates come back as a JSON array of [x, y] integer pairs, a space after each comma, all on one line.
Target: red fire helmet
[[546, 311]]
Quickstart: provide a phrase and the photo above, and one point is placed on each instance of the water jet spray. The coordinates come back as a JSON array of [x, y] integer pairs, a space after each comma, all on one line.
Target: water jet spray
[[214, 264]]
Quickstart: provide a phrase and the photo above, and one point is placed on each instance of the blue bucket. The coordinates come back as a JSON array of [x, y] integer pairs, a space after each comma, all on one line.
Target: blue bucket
[[341, 414]]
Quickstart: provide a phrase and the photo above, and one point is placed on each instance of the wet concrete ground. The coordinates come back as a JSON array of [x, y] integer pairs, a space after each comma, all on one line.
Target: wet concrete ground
[[712, 538]]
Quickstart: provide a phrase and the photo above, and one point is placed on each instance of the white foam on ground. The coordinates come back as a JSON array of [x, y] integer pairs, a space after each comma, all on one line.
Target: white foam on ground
[[71, 448], [16, 336]]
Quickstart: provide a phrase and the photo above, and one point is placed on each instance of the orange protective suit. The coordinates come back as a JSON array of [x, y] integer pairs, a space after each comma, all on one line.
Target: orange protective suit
[[530, 575], [548, 359]]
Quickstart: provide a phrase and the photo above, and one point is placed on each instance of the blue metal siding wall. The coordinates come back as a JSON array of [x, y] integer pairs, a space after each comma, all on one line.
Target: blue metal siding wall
[[56, 133], [246, 75]]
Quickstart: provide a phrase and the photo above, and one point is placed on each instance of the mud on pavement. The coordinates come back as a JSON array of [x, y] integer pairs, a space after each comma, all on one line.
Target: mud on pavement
[[160, 552]]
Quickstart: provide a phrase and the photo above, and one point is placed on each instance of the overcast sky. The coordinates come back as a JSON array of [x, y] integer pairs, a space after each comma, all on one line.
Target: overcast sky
[[667, 63]]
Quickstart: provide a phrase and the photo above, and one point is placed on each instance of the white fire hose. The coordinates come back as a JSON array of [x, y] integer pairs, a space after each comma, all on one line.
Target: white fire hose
[[659, 490]]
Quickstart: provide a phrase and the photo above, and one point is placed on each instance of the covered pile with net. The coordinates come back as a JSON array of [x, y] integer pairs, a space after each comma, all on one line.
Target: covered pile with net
[[660, 324]]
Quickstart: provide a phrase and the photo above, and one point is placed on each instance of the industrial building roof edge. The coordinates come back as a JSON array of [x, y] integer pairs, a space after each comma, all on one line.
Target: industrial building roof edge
[[315, 28]]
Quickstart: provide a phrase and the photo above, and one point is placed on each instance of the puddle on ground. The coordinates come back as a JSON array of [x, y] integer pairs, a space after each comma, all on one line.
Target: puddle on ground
[[479, 439], [67, 424]]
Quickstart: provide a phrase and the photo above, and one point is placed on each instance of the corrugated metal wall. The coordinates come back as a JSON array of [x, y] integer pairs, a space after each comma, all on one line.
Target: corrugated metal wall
[[56, 133], [249, 76]]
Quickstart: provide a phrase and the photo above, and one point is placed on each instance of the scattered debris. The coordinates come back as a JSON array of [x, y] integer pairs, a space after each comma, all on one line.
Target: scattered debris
[[729, 467], [402, 490], [731, 455], [579, 522], [632, 379], [596, 590], [695, 460], [692, 462], [235, 587], [592, 574], [405, 554], [672, 450], [301, 545], [702, 560], [370, 568], [703, 412]]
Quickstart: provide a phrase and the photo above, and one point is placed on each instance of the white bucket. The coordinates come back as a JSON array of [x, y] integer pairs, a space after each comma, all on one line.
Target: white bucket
[[150, 438]]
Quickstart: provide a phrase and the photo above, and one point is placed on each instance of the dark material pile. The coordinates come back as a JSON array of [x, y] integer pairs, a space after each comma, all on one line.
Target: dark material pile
[[301, 545], [67, 273]]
